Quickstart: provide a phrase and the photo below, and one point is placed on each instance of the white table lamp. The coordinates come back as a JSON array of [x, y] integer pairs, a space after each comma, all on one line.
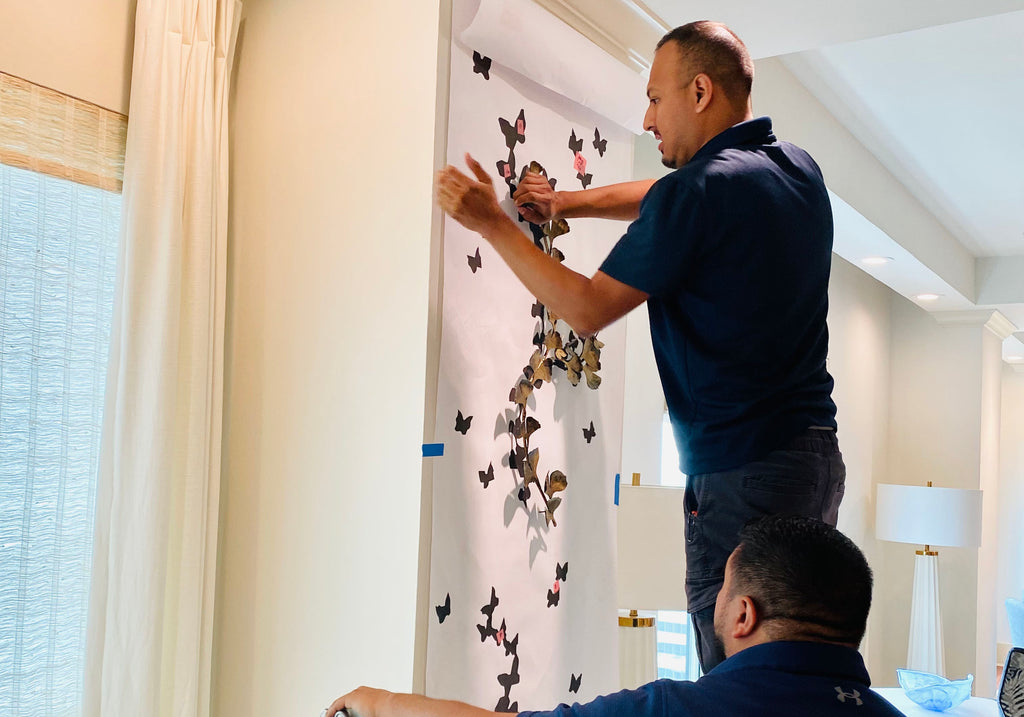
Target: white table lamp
[[651, 572], [927, 516]]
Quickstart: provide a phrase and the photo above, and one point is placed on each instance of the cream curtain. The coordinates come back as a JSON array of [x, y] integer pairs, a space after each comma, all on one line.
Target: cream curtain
[[150, 627]]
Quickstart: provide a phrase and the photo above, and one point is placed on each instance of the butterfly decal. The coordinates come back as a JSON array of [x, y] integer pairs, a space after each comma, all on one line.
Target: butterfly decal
[[445, 610], [507, 169], [574, 682], [589, 433], [553, 595], [510, 678], [474, 260], [487, 476], [575, 145], [561, 571], [511, 647], [514, 133], [504, 706], [488, 609], [462, 424], [601, 145], [481, 65], [585, 179]]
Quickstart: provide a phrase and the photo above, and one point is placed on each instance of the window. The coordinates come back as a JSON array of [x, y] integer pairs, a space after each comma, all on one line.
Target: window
[[677, 651], [58, 256]]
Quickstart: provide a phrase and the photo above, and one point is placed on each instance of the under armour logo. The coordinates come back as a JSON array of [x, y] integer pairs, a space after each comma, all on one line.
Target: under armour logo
[[843, 696]]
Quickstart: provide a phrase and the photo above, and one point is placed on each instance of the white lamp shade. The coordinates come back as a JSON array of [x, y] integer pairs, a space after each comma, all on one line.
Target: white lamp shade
[[651, 548], [928, 516]]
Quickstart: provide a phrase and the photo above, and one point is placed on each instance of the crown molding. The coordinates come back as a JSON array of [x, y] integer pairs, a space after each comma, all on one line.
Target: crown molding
[[990, 319]]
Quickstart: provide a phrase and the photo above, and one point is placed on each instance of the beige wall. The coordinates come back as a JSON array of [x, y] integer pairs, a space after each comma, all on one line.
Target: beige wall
[[329, 255], [83, 49]]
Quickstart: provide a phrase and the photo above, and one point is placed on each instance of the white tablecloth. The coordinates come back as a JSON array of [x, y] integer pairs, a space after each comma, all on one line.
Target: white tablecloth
[[973, 707]]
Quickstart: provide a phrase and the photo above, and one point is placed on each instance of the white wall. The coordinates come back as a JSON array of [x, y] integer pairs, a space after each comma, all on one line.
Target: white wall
[[859, 361], [942, 418], [1010, 565], [330, 242], [83, 49]]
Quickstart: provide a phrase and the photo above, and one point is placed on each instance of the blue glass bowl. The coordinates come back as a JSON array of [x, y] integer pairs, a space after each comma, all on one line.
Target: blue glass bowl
[[934, 692]]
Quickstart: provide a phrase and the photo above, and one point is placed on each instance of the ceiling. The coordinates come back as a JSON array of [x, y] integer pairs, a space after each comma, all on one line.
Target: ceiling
[[933, 89]]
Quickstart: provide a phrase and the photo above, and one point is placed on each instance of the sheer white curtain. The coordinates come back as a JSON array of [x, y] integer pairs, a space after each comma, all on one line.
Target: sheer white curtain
[[151, 605]]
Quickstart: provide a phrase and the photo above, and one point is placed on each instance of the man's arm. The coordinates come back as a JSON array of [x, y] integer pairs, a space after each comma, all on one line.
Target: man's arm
[[588, 305], [368, 702], [538, 202]]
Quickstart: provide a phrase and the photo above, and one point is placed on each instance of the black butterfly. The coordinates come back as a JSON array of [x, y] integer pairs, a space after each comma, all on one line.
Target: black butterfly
[[488, 475], [445, 610], [574, 682], [507, 170], [488, 609], [553, 598], [485, 632], [589, 434], [510, 678], [511, 647], [575, 145], [585, 179], [462, 424], [601, 145], [482, 65], [474, 260], [513, 133], [561, 571], [504, 706]]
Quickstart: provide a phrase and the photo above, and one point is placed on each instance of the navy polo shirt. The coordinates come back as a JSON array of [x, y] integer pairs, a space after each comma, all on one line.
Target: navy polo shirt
[[734, 249], [775, 679]]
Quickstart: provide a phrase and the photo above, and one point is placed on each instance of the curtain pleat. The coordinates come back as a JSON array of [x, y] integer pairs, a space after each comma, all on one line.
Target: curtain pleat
[[151, 606]]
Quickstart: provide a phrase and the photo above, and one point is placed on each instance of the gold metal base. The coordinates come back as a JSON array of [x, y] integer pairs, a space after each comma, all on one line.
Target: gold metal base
[[635, 620]]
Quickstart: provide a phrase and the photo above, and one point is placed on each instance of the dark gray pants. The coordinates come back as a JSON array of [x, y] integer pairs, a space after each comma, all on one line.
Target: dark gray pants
[[805, 477]]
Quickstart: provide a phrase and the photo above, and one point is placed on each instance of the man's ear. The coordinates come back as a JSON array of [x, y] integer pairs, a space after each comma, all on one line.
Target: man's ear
[[746, 618], [703, 89]]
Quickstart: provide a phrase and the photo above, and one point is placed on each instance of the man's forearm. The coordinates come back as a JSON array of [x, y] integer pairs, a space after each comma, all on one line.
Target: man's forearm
[[406, 705], [586, 304], [614, 201]]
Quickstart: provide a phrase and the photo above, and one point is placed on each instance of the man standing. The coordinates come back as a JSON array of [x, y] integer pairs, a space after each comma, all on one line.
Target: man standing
[[790, 616], [732, 254]]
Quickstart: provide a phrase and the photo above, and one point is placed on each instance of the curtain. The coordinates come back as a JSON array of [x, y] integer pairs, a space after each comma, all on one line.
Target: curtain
[[150, 630]]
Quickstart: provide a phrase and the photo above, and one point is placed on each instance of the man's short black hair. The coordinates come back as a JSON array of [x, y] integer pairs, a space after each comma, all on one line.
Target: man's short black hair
[[715, 50], [808, 581]]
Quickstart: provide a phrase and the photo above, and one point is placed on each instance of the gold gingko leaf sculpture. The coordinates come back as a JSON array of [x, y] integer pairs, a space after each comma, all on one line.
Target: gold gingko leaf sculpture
[[552, 351]]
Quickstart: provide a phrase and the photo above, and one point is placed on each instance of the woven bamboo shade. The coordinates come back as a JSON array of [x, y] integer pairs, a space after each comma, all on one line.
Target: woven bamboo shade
[[50, 133]]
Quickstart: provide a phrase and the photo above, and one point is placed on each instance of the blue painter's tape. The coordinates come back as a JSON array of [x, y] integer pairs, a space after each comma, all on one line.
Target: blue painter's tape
[[432, 450], [616, 489]]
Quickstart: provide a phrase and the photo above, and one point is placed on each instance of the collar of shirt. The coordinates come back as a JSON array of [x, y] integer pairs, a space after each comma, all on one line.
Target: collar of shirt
[[817, 658], [754, 131]]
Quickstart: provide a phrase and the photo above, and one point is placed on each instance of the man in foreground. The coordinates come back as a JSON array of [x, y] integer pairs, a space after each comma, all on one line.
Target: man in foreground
[[790, 615], [732, 253]]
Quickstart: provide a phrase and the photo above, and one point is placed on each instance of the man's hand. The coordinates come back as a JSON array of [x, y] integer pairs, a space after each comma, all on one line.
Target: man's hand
[[361, 702], [535, 199], [473, 204]]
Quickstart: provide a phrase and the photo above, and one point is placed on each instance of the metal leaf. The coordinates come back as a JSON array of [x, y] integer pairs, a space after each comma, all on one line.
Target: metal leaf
[[555, 482]]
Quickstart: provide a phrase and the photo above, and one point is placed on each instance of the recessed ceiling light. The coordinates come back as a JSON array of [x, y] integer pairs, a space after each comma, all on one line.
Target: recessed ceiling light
[[876, 260], [927, 297]]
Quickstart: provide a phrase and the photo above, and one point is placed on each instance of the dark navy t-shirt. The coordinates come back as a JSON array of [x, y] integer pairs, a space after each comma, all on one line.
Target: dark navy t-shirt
[[734, 249], [775, 679]]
